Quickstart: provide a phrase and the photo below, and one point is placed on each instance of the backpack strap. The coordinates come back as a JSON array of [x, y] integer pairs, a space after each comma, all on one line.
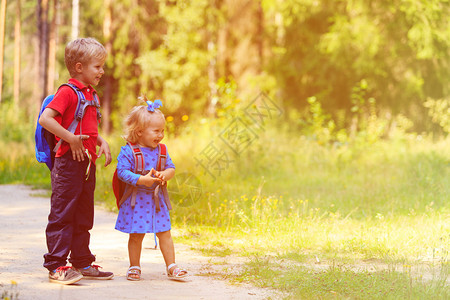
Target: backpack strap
[[139, 165], [160, 166], [139, 162], [82, 105], [162, 156]]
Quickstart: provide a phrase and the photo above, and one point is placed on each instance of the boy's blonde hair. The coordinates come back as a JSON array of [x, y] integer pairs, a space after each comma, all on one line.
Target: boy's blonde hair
[[137, 120], [82, 50]]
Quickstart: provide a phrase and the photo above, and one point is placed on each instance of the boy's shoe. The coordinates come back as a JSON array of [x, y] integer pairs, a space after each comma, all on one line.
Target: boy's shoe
[[64, 275], [93, 272]]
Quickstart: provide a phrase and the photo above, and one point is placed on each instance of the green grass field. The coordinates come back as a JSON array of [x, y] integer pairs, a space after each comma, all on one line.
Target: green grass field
[[353, 220]]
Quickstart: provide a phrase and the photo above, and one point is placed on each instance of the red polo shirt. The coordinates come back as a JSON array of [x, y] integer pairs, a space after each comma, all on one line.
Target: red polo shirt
[[65, 103]]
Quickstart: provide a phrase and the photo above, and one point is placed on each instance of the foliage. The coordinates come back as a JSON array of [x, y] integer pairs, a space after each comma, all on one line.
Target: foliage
[[15, 125], [394, 52], [10, 292], [342, 171], [298, 196], [177, 67], [439, 111], [324, 48]]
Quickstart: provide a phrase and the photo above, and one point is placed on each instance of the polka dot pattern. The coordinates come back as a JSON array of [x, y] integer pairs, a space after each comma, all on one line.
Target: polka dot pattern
[[143, 218]]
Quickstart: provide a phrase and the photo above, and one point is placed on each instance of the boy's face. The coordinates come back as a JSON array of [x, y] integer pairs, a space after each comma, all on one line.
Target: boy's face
[[90, 73], [154, 133]]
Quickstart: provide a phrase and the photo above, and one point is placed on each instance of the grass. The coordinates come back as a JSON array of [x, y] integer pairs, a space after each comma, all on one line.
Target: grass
[[340, 282], [314, 220]]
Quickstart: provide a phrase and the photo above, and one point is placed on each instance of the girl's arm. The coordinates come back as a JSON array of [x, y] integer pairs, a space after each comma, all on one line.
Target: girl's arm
[[125, 167], [148, 180], [47, 120], [165, 175]]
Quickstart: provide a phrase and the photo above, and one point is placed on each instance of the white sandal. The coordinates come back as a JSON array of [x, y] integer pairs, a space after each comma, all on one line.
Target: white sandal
[[177, 273], [135, 271]]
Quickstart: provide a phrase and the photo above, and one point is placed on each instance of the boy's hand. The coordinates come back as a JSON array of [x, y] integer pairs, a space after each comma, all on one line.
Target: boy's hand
[[76, 145], [104, 149], [148, 180]]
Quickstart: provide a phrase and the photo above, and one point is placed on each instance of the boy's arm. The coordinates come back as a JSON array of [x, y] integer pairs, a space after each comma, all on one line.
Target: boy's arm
[[47, 120], [104, 149]]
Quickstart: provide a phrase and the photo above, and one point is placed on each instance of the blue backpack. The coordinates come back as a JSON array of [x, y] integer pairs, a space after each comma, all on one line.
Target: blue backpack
[[46, 145]]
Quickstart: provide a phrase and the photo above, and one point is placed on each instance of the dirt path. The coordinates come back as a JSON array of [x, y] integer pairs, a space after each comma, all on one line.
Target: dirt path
[[23, 217]]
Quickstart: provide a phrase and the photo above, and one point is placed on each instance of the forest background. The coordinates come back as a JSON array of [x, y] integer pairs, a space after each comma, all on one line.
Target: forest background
[[306, 131]]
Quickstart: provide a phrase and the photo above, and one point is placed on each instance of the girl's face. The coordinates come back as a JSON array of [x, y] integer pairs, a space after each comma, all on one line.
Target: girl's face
[[154, 133]]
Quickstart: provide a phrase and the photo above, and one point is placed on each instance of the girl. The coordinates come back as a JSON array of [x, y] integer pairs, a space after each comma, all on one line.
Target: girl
[[145, 127]]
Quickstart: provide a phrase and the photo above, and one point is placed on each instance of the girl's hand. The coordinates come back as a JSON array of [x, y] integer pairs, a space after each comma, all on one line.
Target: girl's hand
[[160, 175], [148, 180], [165, 175], [77, 147]]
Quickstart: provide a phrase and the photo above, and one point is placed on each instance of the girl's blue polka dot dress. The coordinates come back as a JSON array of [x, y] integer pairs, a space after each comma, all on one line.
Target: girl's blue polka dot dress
[[143, 218]]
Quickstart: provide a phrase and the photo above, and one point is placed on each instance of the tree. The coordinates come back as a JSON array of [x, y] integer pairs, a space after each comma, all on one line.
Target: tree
[[399, 48], [52, 43], [108, 79], [2, 42], [17, 38], [75, 19], [43, 27]]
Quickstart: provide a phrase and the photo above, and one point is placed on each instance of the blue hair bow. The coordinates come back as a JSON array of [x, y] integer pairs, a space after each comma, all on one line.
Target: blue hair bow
[[153, 105]]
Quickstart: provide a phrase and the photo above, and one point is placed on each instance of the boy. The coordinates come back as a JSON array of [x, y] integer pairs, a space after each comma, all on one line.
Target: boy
[[73, 174]]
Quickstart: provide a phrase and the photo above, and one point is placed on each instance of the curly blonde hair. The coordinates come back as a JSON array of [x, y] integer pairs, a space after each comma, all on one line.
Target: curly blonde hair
[[137, 120]]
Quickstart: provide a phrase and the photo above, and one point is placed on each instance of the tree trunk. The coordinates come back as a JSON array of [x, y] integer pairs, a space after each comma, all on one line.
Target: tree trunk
[[43, 47], [108, 79], [75, 19], [52, 49], [17, 38], [260, 36], [212, 66], [2, 42]]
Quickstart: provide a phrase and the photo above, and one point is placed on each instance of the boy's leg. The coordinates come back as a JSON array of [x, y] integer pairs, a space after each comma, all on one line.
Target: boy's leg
[[81, 255], [65, 192]]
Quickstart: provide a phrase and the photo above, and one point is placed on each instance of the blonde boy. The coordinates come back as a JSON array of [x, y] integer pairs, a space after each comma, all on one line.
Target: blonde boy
[[73, 174]]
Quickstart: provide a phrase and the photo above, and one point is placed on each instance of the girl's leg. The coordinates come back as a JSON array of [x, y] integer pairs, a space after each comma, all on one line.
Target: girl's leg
[[166, 245], [134, 249], [167, 249]]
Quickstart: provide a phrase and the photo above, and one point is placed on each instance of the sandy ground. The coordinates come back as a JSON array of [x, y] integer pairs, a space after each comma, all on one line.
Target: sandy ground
[[23, 218]]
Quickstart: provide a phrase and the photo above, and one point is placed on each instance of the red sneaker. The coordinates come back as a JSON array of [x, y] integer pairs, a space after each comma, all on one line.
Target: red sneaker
[[64, 275]]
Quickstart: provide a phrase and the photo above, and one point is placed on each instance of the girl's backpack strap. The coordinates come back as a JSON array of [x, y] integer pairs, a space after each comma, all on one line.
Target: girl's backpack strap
[[139, 162], [160, 166], [162, 157]]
